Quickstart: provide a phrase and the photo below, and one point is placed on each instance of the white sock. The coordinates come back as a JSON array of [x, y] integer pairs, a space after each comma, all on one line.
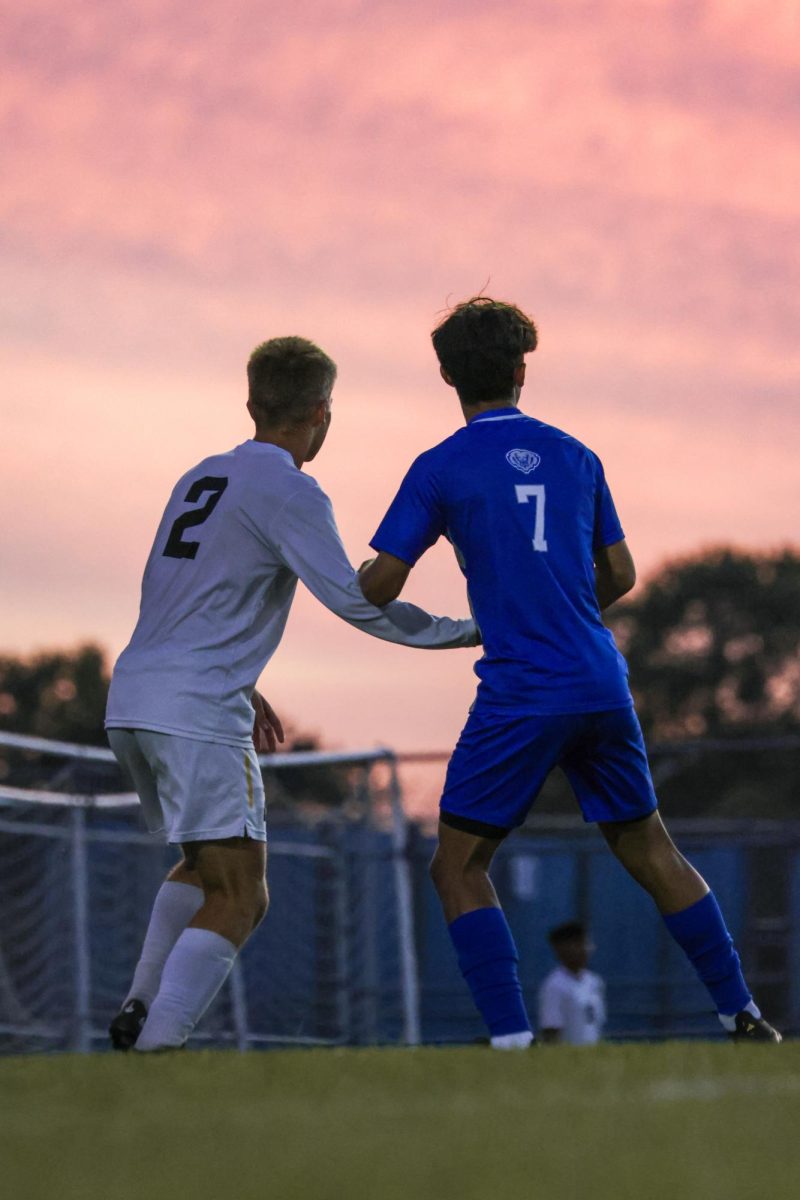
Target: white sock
[[173, 909], [193, 974], [512, 1041], [729, 1022]]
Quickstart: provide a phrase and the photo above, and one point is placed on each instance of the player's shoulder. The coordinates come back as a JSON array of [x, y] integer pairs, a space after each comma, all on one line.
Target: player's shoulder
[[568, 441], [301, 492], [269, 469], [240, 462], [429, 466], [212, 464], [439, 454], [553, 980]]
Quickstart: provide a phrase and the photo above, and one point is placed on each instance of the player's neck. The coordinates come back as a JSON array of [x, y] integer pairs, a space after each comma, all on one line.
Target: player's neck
[[475, 410], [295, 441]]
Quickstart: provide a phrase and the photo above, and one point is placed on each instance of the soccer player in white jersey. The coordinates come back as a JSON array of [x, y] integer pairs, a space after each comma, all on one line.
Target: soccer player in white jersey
[[238, 532], [572, 1000], [531, 519]]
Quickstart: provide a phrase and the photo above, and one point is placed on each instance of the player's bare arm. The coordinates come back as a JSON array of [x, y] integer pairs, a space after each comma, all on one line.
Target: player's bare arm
[[614, 573], [383, 578]]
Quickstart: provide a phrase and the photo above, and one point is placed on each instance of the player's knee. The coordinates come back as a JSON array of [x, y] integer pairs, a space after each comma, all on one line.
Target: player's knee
[[448, 873], [238, 906], [439, 870]]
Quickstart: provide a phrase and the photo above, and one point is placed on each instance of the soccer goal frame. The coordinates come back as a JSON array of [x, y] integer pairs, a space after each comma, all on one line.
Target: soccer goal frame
[[68, 816]]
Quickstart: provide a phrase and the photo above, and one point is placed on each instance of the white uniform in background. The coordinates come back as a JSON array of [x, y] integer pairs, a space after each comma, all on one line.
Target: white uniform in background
[[238, 532], [573, 1004]]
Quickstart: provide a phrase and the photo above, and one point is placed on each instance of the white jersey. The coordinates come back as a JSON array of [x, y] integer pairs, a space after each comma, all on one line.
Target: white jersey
[[239, 530], [573, 1004]]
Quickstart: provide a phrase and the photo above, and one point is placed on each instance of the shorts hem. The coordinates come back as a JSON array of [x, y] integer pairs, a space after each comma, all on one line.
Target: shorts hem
[[242, 742], [625, 818], [218, 835], [510, 712], [468, 825]]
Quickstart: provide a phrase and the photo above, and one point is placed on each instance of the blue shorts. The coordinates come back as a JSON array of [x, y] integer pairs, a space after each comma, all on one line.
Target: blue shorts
[[501, 762]]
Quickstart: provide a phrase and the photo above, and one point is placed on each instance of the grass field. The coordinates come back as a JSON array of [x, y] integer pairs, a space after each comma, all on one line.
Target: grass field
[[678, 1121]]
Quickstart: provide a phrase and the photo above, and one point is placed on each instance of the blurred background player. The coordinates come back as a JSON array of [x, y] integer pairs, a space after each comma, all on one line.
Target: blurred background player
[[534, 528], [572, 1004], [238, 532]]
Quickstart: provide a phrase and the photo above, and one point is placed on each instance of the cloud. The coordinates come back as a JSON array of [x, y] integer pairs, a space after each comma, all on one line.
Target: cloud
[[181, 181]]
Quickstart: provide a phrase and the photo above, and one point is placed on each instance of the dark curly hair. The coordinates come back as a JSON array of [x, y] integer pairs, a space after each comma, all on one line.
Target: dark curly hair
[[480, 344]]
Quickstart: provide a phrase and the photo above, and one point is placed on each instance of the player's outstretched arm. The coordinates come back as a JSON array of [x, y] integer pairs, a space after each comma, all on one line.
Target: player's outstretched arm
[[614, 572], [307, 539]]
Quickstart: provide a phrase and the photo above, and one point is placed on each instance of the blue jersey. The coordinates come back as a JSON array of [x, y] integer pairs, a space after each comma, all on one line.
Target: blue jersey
[[525, 506]]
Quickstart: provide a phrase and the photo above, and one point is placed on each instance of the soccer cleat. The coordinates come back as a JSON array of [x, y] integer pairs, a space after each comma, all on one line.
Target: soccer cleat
[[485, 1041], [753, 1029], [127, 1025]]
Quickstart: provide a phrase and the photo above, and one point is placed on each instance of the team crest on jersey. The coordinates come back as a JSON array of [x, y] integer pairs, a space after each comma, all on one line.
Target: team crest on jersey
[[523, 460]]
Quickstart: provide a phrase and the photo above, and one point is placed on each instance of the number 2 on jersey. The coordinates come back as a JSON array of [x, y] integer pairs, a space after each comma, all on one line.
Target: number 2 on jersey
[[535, 492], [176, 547]]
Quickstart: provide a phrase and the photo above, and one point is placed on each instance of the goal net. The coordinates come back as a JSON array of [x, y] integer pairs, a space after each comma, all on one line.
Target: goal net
[[334, 962]]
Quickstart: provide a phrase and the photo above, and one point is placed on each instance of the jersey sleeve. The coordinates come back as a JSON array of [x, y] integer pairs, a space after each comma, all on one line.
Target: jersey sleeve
[[305, 536], [414, 520], [551, 1008], [607, 527]]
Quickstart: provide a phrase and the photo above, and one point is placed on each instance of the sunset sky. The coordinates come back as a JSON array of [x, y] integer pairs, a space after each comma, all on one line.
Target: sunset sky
[[182, 180]]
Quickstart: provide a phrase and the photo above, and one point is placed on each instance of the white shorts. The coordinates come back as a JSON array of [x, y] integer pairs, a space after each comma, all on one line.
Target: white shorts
[[194, 791]]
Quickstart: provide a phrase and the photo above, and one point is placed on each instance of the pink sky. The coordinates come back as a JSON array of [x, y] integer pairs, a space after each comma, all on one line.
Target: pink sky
[[181, 181]]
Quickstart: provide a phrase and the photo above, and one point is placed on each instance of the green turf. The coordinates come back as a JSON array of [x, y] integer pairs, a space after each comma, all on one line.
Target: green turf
[[679, 1121]]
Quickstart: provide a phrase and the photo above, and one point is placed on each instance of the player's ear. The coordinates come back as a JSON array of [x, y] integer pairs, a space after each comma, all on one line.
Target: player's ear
[[320, 414], [446, 377], [519, 374]]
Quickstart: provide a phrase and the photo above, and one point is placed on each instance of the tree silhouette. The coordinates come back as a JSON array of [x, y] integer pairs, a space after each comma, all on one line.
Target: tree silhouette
[[713, 645], [61, 694], [56, 694]]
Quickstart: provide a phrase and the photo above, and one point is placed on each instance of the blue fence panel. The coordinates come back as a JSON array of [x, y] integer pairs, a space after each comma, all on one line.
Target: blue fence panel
[[651, 988]]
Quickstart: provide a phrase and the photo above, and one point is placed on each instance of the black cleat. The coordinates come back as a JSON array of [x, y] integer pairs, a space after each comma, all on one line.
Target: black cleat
[[127, 1025], [753, 1029]]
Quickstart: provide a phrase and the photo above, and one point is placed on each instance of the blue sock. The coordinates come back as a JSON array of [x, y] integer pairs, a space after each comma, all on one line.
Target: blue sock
[[488, 960], [701, 933]]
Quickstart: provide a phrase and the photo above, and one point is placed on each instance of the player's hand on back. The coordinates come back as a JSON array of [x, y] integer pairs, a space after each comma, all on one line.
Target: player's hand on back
[[267, 728]]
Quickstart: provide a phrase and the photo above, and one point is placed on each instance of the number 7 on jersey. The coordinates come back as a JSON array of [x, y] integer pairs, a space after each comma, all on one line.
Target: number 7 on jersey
[[534, 491]]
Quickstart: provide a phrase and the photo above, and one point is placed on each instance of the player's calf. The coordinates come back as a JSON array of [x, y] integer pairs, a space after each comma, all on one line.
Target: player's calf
[[484, 945], [233, 917], [233, 878]]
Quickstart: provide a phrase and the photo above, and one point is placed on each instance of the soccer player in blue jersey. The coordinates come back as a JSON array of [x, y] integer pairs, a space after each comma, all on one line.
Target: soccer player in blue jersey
[[530, 516]]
